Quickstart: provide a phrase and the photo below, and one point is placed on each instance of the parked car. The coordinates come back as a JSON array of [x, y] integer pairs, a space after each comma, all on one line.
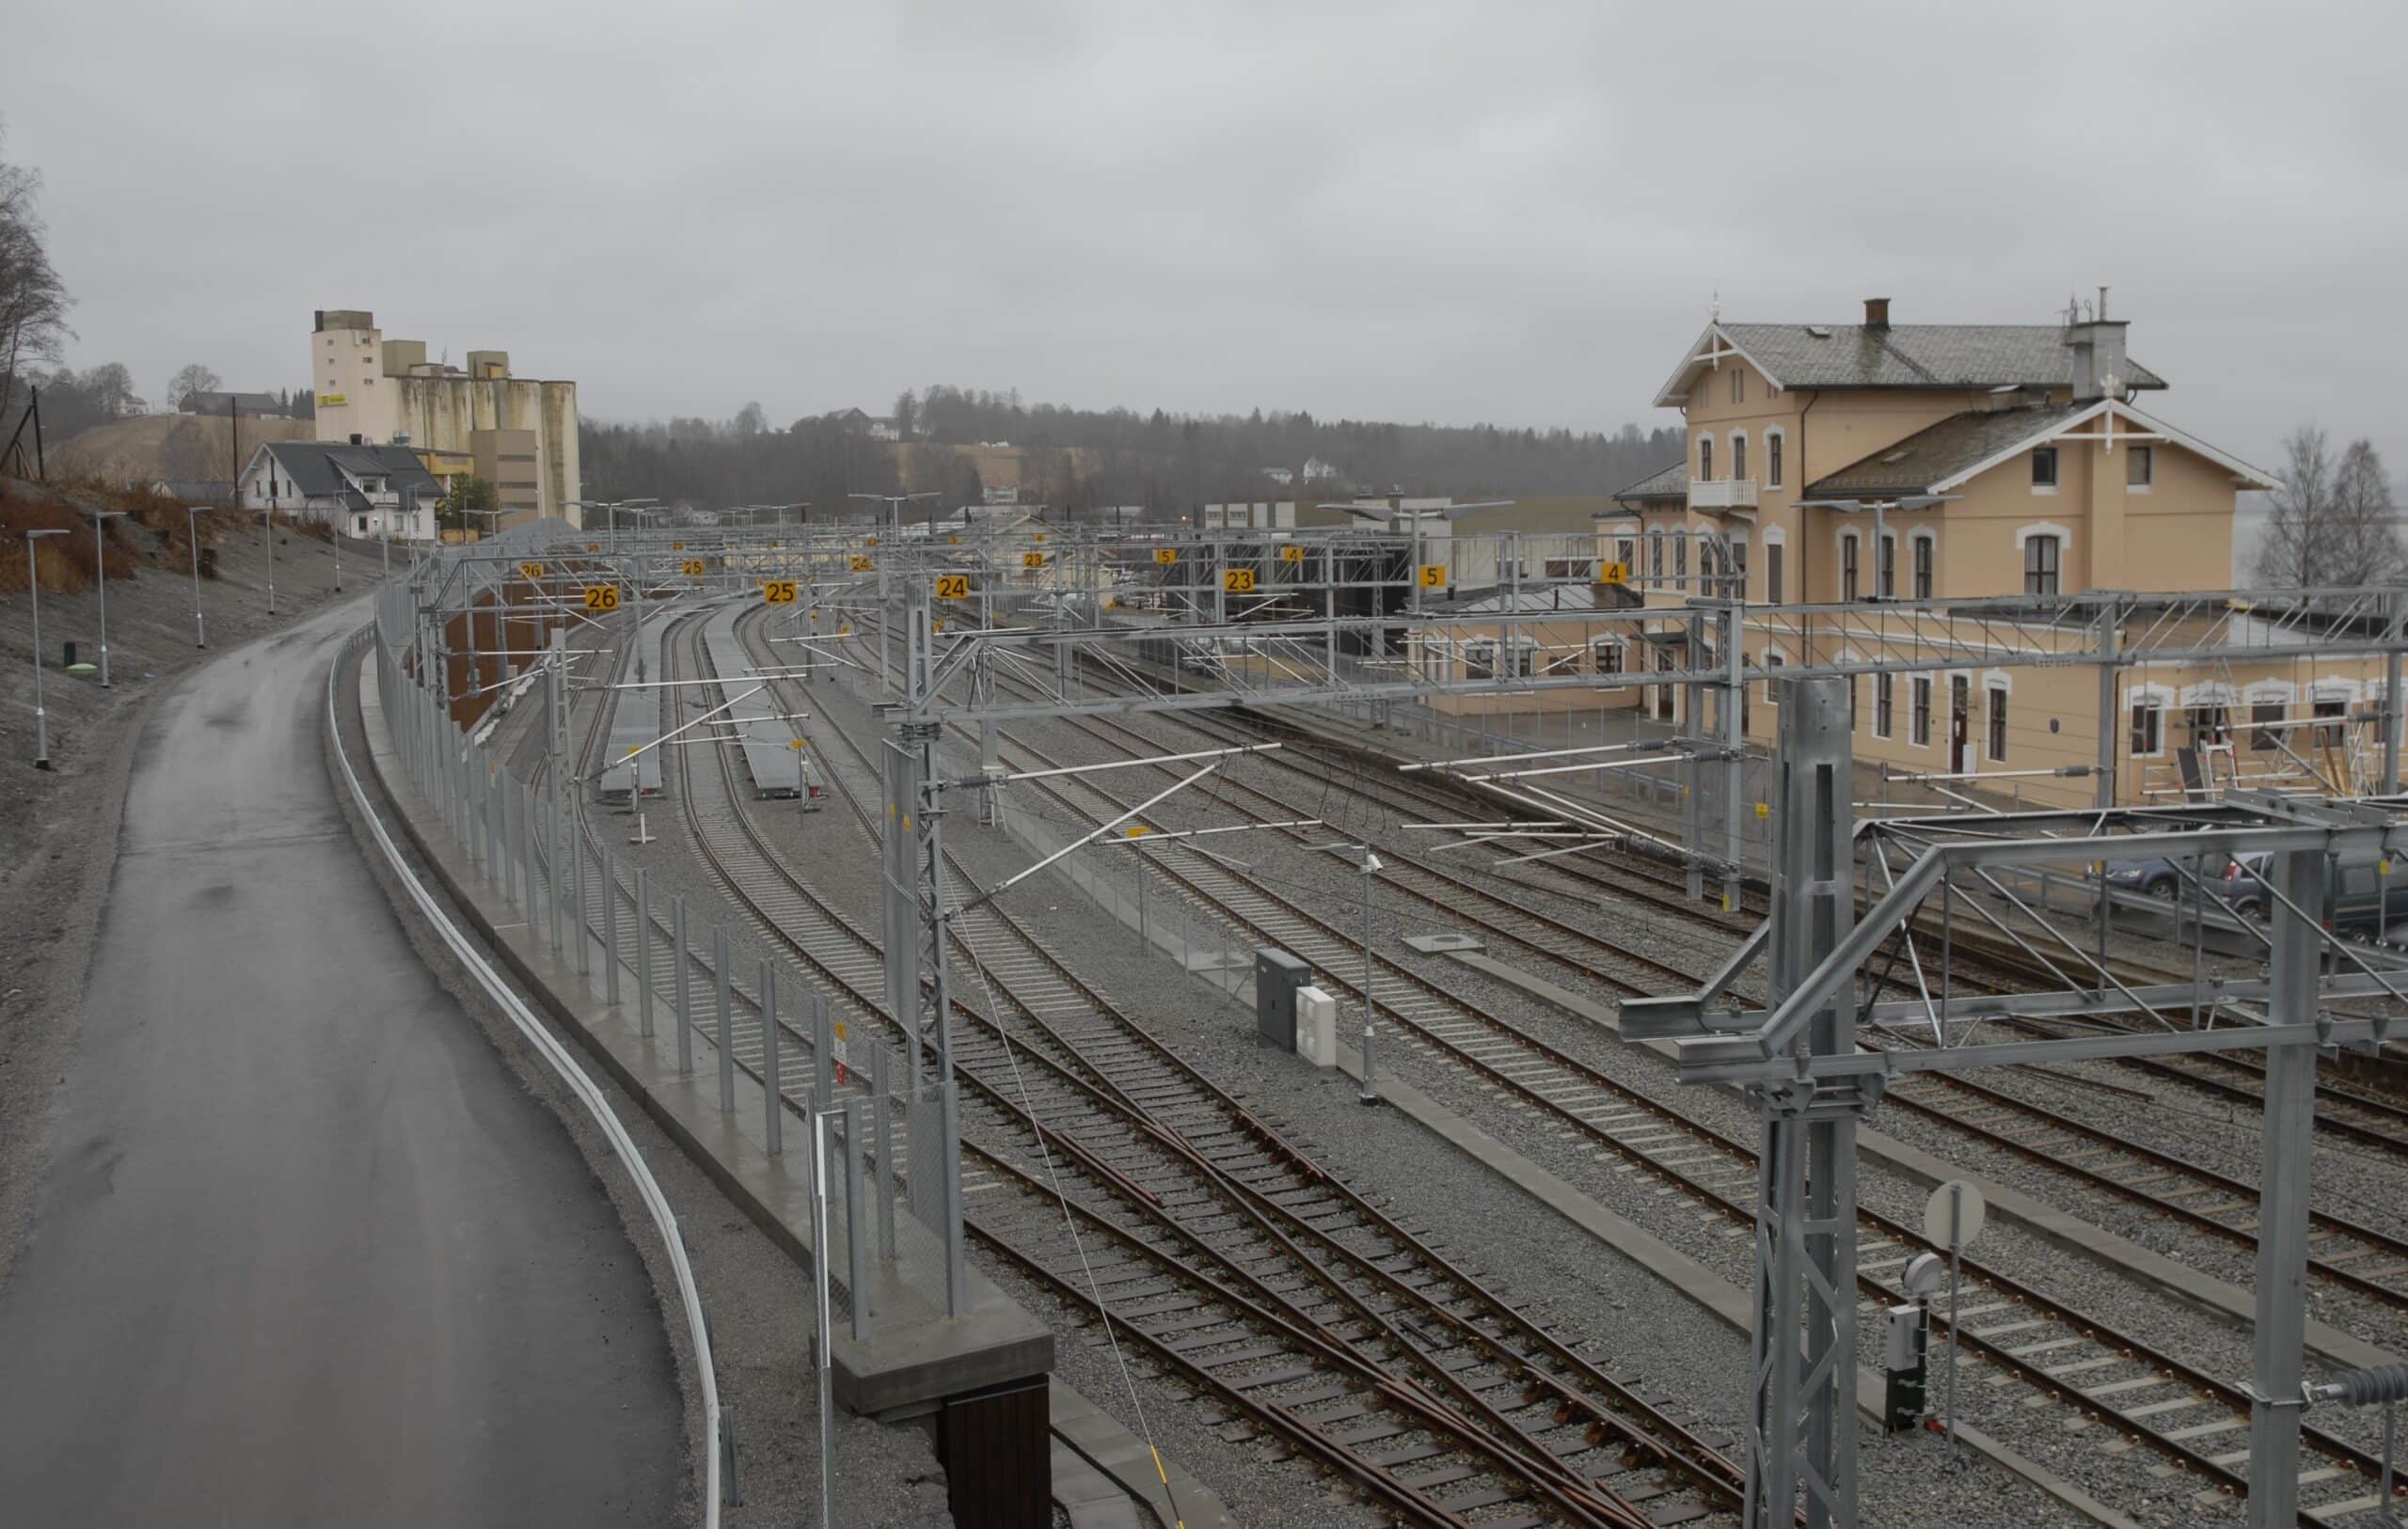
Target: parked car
[[2236, 881], [2363, 903]]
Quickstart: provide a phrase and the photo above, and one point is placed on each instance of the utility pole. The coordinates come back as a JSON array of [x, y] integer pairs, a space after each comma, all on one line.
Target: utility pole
[[192, 532], [101, 564], [33, 582]]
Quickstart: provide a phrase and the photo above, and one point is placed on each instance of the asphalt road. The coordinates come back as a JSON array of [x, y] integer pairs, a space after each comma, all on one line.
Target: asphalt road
[[308, 1254]]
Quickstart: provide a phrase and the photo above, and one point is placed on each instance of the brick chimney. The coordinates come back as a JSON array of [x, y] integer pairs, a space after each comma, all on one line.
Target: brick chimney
[[1877, 313]]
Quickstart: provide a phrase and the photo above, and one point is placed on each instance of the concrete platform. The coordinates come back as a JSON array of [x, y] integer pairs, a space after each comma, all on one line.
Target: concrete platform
[[2215, 1297], [917, 1356]]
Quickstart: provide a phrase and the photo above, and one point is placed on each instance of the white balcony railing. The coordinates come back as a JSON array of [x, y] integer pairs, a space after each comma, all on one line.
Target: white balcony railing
[[1723, 493]]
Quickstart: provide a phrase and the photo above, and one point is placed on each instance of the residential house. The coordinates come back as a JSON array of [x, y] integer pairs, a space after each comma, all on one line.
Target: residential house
[[1878, 466], [358, 489]]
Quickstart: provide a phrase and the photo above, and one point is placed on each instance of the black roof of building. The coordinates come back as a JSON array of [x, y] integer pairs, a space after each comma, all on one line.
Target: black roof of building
[[215, 402], [1935, 356], [1672, 483], [317, 468]]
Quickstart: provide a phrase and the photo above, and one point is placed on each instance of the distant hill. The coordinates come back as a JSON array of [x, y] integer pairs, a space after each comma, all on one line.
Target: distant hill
[[180, 448]]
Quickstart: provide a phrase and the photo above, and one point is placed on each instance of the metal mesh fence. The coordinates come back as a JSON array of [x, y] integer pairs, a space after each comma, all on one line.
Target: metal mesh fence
[[886, 1226]]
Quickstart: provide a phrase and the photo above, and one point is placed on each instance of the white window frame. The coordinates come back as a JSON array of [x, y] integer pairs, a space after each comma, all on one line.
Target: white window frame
[[1993, 690], [1776, 452], [2159, 698], [1702, 456], [1886, 575], [1736, 469], [2064, 548], [1924, 539], [1852, 554], [1927, 687], [1885, 705], [2149, 447], [1774, 659], [2056, 454]]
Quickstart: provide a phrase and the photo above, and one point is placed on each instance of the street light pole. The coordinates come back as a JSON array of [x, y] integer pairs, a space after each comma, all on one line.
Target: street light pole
[[1371, 1070], [101, 564], [33, 579], [192, 530], [268, 531]]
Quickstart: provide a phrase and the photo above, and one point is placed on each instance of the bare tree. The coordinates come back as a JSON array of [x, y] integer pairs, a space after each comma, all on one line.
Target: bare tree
[[195, 378], [2364, 519], [112, 389], [907, 408], [33, 301], [2332, 522], [2297, 549], [751, 420]]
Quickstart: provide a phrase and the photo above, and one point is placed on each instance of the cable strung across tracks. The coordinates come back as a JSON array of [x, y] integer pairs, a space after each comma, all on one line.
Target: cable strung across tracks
[[2194, 1420], [1286, 1293]]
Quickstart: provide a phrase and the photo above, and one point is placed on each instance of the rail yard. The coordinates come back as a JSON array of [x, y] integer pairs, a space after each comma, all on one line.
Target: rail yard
[[1355, 1294]]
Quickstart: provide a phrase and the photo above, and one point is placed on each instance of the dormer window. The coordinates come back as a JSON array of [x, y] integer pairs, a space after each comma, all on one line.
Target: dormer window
[[2140, 467], [2044, 466]]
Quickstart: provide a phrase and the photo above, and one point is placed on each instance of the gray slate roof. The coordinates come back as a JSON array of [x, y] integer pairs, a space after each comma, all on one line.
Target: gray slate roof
[[1919, 355], [1938, 452], [312, 466], [1673, 482]]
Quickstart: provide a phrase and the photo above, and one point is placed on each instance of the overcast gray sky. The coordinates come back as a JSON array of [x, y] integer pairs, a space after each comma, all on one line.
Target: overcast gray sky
[[1514, 212]]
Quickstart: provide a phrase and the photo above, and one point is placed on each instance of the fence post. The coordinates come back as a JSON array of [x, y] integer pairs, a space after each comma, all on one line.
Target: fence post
[[643, 954], [772, 1078], [553, 847], [609, 926], [823, 1054], [856, 1245], [882, 1123], [577, 902], [727, 1021], [957, 1294], [685, 993]]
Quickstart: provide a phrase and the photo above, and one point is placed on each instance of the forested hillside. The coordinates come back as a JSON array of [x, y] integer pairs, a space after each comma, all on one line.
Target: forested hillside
[[1078, 458]]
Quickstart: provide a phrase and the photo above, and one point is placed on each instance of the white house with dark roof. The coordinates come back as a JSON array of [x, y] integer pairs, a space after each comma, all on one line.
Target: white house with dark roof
[[362, 491]]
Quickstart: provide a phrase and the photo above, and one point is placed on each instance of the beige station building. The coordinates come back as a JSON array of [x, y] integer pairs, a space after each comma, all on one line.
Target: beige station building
[[518, 433], [1871, 465]]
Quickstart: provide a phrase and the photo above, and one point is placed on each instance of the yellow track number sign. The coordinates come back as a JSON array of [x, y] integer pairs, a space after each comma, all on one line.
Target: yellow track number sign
[[692, 567], [1613, 572], [676, 547], [1434, 575], [953, 586], [1292, 552], [1237, 580], [601, 598], [778, 592], [1032, 560], [531, 570], [862, 566], [593, 546], [1165, 556]]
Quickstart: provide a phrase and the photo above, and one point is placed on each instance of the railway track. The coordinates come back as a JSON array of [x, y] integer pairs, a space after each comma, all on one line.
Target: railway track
[[1455, 1408], [2095, 1162], [2193, 1419]]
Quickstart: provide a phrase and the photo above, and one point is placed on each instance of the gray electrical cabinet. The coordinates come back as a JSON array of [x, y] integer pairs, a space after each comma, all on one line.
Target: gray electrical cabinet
[[1277, 977]]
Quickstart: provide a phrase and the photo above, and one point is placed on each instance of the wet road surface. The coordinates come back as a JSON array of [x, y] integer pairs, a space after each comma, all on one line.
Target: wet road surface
[[308, 1254]]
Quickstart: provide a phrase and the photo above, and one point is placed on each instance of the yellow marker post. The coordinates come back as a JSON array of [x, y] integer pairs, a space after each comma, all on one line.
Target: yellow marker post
[[1292, 552], [1237, 580], [953, 586], [1613, 572], [1165, 557], [1434, 575], [601, 598], [778, 592]]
